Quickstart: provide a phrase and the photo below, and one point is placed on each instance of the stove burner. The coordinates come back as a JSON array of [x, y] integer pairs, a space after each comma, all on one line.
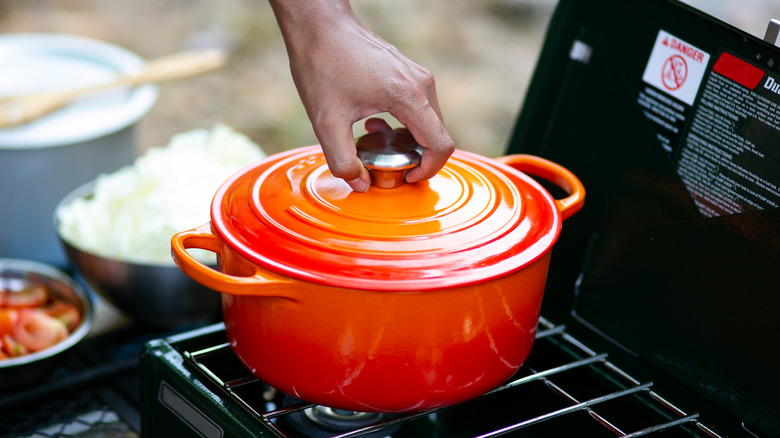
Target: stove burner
[[322, 421], [329, 416]]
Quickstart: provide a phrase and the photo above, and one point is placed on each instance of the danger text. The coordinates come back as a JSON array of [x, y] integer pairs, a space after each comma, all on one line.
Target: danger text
[[685, 49]]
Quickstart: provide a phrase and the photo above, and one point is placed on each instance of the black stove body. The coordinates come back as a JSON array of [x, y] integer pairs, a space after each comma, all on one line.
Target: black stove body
[[671, 120], [661, 313], [662, 308]]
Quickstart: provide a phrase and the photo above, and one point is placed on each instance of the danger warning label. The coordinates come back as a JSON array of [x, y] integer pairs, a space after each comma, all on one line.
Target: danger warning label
[[728, 158], [676, 67], [719, 123]]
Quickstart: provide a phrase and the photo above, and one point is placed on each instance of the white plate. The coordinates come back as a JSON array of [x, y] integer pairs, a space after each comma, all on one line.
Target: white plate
[[45, 62]]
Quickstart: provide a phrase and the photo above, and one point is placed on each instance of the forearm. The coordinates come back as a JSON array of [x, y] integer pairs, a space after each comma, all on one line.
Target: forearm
[[344, 73], [335, 61]]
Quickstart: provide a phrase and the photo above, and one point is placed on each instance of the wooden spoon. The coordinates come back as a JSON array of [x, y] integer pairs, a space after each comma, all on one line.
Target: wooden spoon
[[15, 110]]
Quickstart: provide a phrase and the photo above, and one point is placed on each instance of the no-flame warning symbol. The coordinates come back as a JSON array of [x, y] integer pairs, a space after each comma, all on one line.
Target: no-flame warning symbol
[[674, 72], [676, 67]]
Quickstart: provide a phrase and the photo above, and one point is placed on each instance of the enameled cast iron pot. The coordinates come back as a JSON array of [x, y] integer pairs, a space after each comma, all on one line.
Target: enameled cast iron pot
[[403, 299]]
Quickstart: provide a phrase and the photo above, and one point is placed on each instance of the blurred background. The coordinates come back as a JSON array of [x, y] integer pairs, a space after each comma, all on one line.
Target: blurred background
[[482, 54]]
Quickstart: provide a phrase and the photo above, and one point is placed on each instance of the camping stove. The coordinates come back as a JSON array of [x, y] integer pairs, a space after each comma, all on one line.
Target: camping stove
[[661, 306], [663, 286], [194, 385]]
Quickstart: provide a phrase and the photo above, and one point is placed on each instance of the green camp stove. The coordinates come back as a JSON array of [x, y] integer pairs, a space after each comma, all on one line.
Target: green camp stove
[[661, 313]]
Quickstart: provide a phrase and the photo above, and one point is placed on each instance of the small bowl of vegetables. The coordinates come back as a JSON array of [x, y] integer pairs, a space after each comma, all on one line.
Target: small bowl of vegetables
[[43, 313]]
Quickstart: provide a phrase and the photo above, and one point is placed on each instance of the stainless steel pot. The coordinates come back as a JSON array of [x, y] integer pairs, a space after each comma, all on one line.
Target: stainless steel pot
[[42, 161]]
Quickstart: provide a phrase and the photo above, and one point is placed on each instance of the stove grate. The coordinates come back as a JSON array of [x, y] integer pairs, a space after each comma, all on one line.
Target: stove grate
[[82, 414], [558, 363]]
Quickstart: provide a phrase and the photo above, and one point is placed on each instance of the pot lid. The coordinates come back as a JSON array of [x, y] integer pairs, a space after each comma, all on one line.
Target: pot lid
[[476, 220]]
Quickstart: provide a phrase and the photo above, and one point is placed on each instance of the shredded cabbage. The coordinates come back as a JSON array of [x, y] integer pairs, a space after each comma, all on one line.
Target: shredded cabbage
[[134, 212]]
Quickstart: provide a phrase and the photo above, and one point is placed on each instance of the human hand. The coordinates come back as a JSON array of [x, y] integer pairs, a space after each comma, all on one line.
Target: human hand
[[345, 73]]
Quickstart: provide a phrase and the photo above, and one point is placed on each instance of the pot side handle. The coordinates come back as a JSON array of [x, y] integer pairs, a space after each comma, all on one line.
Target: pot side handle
[[261, 283], [554, 173]]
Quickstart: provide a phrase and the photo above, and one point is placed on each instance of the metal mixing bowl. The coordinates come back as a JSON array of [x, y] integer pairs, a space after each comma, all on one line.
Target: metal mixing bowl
[[155, 295], [17, 371]]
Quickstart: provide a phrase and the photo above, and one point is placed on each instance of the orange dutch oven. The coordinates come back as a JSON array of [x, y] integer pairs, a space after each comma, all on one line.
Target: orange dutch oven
[[393, 300]]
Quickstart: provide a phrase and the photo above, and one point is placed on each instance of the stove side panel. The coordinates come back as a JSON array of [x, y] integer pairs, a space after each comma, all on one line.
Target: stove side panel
[[175, 402]]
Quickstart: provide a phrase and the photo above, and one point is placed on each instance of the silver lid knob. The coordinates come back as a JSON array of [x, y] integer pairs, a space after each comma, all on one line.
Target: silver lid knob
[[388, 156]]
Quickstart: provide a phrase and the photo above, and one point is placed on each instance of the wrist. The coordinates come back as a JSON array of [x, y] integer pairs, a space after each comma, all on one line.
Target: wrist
[[299, 19]]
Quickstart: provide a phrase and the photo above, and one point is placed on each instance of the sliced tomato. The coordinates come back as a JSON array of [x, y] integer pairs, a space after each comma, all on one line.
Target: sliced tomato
[[12, 347], [36, 330], [8, 318], [33, 296], [65, 312]]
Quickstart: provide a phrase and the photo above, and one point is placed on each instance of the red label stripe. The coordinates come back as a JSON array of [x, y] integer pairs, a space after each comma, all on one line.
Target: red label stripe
[[738, 70]]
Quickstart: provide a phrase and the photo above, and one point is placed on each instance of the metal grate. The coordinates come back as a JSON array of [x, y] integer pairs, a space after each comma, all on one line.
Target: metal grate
[[102, 422], [605, 408], [81, 414]]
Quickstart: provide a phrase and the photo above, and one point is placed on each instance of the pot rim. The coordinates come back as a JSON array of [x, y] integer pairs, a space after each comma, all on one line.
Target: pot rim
[[96, 117]]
